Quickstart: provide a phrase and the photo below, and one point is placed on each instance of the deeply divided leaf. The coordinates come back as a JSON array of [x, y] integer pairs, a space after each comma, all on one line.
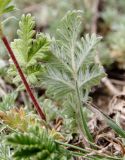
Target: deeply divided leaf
[[30, 49]]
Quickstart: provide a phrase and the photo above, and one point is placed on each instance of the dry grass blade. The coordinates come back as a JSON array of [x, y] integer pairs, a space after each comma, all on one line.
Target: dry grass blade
[[110, 122]]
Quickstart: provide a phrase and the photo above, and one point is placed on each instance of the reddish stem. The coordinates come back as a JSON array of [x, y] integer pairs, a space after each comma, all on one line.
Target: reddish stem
[[27, 86]]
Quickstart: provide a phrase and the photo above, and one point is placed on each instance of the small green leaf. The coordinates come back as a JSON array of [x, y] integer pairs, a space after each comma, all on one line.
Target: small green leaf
[[29, 51], [5, 7], [36, 144], [8, 9]]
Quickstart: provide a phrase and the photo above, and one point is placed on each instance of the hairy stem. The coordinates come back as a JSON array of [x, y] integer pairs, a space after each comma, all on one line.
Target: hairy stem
[[23, 78], [83, 123], [81, 119]]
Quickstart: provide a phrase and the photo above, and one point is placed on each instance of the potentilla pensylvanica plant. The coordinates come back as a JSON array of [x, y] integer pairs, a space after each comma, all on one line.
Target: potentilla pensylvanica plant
[[63, 65], [5, 7]]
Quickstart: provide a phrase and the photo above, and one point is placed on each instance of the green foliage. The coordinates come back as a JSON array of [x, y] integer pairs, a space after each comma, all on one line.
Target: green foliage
[[114, 19], [5, 152], [69, 115], [72, 60], [8, 101], [71, 70], [104, 55], [68, 74], [116, 41], [18, 119], [36, 144], [5, 7], [29, 51], [50, 108]]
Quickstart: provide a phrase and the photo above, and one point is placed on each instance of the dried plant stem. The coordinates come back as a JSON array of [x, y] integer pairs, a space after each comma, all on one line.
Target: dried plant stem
[[95, 16], [112, 89], [23, 78]]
